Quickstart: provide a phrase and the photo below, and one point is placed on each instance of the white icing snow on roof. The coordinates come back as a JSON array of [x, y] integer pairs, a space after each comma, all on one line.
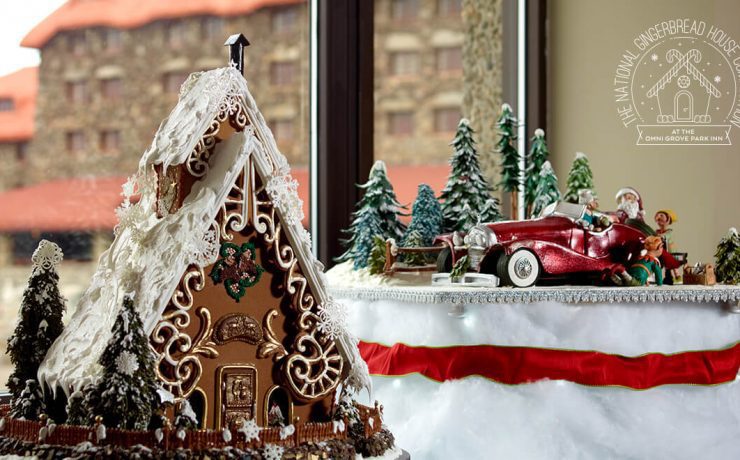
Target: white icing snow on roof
[[149, 254]]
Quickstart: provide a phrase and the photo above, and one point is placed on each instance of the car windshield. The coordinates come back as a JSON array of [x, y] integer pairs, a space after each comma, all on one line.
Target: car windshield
[[562, 208]]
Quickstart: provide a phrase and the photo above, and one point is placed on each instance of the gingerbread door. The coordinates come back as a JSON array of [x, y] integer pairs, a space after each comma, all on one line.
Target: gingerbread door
[[236, 395]]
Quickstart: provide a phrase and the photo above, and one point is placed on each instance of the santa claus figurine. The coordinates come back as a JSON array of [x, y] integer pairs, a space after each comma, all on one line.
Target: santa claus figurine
[[629, 205]]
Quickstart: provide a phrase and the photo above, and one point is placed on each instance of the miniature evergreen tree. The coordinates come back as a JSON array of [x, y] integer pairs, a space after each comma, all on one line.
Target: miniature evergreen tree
[[414, 240], [580, 177], [467, 218], [30, 403], [426, 217], [376, 259], [547, 189], [466, 185], [728, 258], [506, 146], [127, 391], [537, 157], [377, 214], [491, 211], [77, 411], [40, 320]]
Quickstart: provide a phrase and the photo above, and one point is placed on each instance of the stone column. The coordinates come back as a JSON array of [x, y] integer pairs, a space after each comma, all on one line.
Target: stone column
[[482, 61]]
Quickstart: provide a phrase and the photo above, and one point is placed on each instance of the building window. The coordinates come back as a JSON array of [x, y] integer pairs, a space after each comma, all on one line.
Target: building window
[[6, 104], [401, 123], [77, 92], [284, 19], [112, 40], [211, 27], [110, 141], [404, 10], [282, 73], [446, 119], [76, 142], [74, 245], [449, 7], [283, 130], [449, 59], [111, 88], [21, 151], [77, 43], [404, 63], [174, 34], [173, 80]]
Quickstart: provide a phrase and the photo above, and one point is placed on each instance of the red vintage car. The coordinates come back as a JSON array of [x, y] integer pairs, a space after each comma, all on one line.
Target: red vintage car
[[558, 244]]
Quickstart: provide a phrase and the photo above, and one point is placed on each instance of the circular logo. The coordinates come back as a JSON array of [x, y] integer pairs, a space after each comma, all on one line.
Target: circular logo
[[678, 85]]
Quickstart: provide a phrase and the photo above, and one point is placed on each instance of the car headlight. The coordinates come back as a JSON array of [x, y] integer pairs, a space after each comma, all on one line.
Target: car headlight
[[481, 236]]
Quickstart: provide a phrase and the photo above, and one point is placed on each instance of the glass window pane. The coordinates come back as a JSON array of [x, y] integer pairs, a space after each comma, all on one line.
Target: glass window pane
[[433, 65], [84, 117]]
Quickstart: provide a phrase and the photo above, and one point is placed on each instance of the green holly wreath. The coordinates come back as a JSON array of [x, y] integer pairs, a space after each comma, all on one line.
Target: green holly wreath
[[237, 269]]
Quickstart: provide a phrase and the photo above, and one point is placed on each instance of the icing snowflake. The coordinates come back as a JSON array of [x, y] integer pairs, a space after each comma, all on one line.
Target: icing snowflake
[[250, 430], [47, 256], [272, 452], [224, 95], [283, 191], [126, 363], [189, 83], [204, 251], [131, 217], [332, 319]]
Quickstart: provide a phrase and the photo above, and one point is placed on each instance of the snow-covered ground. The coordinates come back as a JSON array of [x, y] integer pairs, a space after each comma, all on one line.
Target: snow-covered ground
[[476, 418]]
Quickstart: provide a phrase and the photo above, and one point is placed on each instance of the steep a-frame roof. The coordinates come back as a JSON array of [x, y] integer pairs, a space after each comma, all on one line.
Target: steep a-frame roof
[[683, 61], [150, 253]]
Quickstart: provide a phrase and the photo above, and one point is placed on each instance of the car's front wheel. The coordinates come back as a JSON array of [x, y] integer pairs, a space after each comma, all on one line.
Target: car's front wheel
[[521, 269], [444, 261]]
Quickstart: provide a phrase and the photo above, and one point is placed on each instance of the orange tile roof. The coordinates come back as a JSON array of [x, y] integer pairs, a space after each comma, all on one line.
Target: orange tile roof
[[21, 86], [89, 203], [63, 205], [128, 14]]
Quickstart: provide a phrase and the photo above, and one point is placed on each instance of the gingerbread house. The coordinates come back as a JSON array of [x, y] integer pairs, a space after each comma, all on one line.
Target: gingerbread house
[[211, 247]]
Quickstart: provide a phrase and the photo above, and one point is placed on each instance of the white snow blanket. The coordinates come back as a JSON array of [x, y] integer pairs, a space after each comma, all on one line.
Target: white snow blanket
[[477, 418]]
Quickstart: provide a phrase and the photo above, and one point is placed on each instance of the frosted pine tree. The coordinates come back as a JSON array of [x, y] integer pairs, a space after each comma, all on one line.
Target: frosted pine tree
[[728, 258], [466, 185], [30, 403], [537, 157], [506, 146], [40, 320], [377, 214], [491, 211], [468, 217], [426, 217], [415, 240], [127, 391], [580, 177], [547, 189]]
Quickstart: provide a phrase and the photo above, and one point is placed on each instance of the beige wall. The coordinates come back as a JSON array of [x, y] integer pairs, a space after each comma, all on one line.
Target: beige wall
[[701, 183]]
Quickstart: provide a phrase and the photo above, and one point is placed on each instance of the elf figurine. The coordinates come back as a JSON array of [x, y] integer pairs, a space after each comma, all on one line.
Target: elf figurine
[[649, 263], [664, 219]]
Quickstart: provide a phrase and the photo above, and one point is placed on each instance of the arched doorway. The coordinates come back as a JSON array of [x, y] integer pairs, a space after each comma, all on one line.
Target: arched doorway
[[199, 404], [683, 106]]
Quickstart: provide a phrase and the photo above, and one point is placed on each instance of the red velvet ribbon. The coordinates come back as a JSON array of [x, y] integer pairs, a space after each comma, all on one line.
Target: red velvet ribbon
[[516, 365]]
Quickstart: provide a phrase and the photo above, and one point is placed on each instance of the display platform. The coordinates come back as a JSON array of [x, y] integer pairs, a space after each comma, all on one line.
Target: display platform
[[560, 372]]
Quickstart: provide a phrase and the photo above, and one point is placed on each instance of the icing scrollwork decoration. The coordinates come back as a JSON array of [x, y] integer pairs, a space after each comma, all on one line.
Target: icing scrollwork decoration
[[314, 371], [314, 366], [231, 110], [234, 214], [271, 346], [178, 355], [237, 326]]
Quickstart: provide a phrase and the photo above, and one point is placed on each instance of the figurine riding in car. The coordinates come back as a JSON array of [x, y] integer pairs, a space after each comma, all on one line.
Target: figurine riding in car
[[558, 246]]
